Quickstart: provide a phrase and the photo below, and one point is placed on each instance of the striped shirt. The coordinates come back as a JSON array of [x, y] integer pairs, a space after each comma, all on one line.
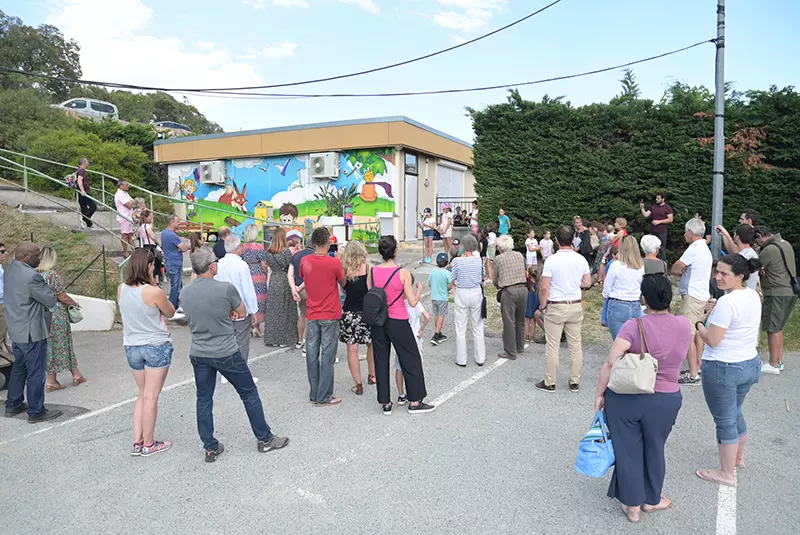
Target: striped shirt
[[467, 271]]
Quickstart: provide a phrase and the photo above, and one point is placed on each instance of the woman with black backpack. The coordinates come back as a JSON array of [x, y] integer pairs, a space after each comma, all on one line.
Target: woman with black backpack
[[396, 331]]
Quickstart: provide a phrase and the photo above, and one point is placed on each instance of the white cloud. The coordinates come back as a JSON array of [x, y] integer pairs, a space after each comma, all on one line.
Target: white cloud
[[280, 50], [246, 163], [251, 53], [367, 5], [476, 14], [470, 21], [458, 39], [118, 45], [262, 4], [205, 45]]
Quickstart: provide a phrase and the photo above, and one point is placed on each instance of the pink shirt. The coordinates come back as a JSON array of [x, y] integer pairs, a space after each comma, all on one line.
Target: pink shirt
[[394, 289], [668, 339]]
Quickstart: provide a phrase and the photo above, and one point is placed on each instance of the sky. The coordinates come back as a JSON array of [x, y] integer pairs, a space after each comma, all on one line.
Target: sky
[[202, 43]]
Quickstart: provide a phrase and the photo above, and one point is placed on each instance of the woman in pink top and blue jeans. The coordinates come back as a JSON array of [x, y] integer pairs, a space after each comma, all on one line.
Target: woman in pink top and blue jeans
[[396, 332], [641, 423]]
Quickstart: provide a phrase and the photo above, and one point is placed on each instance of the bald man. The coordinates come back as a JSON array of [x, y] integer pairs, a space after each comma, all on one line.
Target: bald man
[[28, 301]]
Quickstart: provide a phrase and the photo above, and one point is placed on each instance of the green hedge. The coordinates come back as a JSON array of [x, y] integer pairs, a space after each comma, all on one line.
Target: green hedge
[[545, 162]]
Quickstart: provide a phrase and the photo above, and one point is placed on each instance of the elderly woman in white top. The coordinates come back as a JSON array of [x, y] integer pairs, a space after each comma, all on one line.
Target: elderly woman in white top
[[468, 281], [623, 285]]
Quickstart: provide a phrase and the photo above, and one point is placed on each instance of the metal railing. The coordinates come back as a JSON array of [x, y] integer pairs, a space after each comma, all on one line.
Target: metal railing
[[88, 281]]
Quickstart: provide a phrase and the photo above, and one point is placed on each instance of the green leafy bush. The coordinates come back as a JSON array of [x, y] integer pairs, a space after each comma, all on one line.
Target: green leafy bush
[[545, 162]]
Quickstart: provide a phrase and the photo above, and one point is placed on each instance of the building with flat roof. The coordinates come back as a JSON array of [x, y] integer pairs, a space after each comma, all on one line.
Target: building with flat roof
[[382, 165]]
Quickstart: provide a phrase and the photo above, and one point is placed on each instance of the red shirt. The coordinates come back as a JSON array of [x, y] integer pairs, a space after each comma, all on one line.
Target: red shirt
[[322, 274], [622, 233]]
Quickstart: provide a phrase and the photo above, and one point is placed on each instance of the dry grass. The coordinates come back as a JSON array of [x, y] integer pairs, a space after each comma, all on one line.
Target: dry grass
[[73, 249]]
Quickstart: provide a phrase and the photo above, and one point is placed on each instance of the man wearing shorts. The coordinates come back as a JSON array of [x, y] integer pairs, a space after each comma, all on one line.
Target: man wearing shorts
[[779, 298], [125, 203], [694, 267]]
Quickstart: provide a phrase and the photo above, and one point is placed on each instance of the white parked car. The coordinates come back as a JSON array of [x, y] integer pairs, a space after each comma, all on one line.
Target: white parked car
[[96, 110]]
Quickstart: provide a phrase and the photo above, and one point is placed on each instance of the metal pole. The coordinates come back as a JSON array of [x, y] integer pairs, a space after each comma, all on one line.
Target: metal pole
[[105, 275], [25, 179], [719, 132]]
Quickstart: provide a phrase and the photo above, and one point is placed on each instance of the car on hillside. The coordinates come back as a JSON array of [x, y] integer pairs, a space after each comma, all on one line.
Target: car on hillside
[[176, 129], [97, 110]]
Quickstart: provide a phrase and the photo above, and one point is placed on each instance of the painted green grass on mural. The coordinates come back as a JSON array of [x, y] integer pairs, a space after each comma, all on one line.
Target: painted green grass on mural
[[312, 209]]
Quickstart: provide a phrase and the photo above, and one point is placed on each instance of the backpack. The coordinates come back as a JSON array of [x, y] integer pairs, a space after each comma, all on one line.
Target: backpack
[[72, 181], [376, 306]]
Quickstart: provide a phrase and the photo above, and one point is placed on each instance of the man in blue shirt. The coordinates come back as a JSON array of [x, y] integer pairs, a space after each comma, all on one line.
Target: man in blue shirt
[[3, 329], [173, 248], [504, 223]]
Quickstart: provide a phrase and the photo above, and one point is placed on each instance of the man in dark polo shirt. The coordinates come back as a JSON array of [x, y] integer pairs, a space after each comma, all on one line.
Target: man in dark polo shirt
[[777, 271], [661, 214], [88, 206]]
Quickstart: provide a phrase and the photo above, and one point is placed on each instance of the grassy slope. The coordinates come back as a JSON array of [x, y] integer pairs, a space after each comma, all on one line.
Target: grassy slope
[[74, 251]]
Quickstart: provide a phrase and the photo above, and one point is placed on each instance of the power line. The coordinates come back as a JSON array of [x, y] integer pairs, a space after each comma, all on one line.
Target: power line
[[117, 85], [250, 95]]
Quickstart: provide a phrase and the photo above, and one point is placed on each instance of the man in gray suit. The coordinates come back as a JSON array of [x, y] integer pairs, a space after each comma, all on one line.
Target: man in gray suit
[[28, 301]]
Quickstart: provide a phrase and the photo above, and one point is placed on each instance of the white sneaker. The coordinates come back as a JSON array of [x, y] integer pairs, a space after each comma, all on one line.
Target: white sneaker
[[179, 310], [780, 365], [178, 316], [337, 360], [255, 379], [224, 381], [299, 345], [526, 346], [768, 368]]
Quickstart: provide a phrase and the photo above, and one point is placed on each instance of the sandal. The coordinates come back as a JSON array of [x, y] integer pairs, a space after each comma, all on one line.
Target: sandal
[[706, 475], [76, 382], [358, 389], [50, 388], [333, 401], [371, 380], [659, 507], [632, 519]]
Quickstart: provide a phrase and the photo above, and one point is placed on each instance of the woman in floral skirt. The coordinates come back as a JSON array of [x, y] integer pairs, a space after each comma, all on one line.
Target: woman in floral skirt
[[253, 253], [353, 331], [60, 353]]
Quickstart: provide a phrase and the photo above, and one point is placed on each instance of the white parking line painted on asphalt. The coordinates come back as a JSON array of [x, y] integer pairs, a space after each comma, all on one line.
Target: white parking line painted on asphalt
[[726, 510], [104, 410], [366, 446]]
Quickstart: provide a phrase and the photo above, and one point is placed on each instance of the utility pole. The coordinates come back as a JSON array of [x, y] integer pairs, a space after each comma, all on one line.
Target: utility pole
[[719, 132]]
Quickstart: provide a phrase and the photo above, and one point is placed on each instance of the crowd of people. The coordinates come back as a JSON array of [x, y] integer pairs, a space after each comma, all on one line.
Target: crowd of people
[[313, 299]]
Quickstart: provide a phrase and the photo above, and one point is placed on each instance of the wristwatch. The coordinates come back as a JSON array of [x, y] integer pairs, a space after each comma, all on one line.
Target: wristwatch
[[700, 322]]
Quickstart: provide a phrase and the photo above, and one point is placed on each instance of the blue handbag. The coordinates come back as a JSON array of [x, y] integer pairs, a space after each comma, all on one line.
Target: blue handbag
[[595, 452]]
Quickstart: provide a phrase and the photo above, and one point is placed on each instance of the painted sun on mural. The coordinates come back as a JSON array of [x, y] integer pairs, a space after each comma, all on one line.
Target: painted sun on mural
[[278, 188]]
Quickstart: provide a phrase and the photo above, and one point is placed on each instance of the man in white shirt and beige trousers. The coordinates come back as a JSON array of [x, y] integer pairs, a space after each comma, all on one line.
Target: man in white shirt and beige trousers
[[231, 268], [563, 277]]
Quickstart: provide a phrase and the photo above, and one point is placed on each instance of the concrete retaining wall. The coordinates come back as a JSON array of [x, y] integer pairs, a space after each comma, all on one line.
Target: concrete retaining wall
[[98, 314]]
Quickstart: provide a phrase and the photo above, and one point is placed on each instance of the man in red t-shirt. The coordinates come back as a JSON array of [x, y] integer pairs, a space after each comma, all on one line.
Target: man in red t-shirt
[[322, 275], [662, 216]]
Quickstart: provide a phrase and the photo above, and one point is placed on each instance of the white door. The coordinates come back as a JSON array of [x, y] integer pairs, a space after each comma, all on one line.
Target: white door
[[411, 214]]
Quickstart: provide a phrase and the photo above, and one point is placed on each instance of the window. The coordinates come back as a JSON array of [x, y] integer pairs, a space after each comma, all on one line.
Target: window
[[76, 104], [101, 107], [411, 164]]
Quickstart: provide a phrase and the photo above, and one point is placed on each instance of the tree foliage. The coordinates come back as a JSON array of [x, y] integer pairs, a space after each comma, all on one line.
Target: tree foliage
[[40, 50], [545, 162]]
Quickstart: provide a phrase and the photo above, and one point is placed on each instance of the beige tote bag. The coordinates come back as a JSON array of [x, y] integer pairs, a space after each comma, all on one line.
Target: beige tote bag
[[634, 373]]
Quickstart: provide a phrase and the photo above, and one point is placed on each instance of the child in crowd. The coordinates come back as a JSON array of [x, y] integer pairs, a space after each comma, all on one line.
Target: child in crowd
[[491, 240], [418, 318], [532, 249], [546, 246], [503, 222], [606, 242], [532, 312], [439, 281]]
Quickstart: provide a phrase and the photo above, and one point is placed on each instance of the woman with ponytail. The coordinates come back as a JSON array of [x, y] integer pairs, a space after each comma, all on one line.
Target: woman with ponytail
[[641, 423], [731, 364]]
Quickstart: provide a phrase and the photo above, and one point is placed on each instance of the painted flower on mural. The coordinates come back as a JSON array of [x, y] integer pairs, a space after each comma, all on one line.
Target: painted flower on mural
[[371, 163]]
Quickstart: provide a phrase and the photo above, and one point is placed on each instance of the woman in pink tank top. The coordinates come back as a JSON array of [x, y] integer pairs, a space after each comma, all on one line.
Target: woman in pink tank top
[[397, 333]]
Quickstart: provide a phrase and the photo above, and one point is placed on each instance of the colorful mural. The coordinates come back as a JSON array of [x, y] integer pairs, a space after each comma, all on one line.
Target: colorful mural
[[279, 187]]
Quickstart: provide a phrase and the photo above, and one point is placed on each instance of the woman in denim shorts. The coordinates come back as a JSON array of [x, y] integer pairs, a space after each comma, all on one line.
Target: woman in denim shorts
[[148, 346], [731, 364]]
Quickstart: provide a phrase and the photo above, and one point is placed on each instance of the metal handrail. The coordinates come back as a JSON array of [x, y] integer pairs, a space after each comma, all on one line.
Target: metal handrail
[[63, 184]]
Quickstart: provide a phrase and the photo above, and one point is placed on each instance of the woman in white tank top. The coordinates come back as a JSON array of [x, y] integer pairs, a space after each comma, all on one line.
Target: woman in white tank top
[[148, 346]]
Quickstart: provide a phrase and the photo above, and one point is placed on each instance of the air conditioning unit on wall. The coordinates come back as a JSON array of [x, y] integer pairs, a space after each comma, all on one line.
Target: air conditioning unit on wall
[[212, 172], [323, 165]]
